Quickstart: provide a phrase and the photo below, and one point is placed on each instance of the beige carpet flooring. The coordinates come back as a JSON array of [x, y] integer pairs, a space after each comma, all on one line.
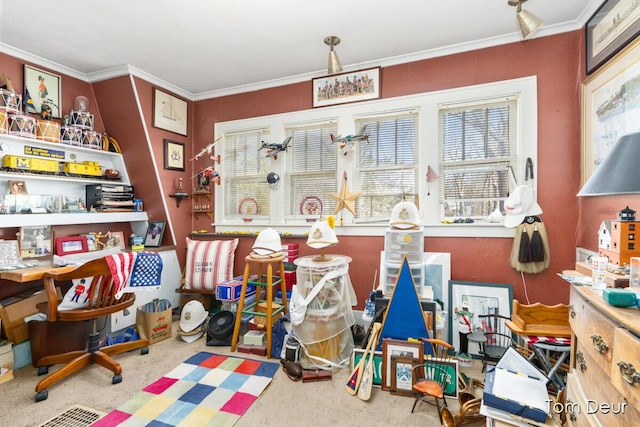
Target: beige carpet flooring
[[283, 403]]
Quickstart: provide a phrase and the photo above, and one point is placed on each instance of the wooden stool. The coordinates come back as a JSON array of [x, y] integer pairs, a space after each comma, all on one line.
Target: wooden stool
[[263, 280]]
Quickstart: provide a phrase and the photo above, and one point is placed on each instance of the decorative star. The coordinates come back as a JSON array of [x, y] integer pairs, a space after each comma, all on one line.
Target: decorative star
[[345, 198]]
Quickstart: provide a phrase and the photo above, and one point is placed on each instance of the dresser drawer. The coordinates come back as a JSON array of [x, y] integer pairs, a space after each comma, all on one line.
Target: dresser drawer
[[625, 370], [593, 331], [576, 404], [604, 401]]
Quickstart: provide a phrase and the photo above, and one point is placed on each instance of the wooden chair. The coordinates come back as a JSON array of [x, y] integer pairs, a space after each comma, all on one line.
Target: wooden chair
[[498, 338], [102, 302], [435, 374]]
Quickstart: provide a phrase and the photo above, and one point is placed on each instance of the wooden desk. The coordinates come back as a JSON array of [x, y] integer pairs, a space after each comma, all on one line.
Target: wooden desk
[[30, 274]]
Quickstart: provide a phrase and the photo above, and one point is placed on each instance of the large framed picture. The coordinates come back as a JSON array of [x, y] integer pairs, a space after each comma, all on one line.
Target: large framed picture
[[607, 109], [173, 155], [169, 112], [35, 241], [44, 89], [155, 233], [348, 87], [610, 28], [393, 347], [467, 301]]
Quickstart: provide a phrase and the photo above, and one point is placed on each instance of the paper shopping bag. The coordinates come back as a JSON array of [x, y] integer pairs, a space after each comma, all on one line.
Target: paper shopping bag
[[153, 320]]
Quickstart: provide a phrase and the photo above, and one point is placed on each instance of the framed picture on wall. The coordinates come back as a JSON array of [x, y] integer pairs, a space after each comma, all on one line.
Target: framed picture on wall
[[169, 112], [608, 108], [173, 155], [610, 28], [44, 90], [343, 88]]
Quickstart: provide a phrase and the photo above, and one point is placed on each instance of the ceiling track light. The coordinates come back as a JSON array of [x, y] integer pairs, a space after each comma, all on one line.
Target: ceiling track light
[[334, 66], [527, 21]]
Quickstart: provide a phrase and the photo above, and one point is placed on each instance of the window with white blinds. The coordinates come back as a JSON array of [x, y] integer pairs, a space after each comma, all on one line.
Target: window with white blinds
[[313, 170], [246, 187], [477, 140], [478, 148], [387, 165]]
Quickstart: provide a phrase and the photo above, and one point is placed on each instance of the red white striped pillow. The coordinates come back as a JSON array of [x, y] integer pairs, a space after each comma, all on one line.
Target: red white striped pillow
[[209, 263]]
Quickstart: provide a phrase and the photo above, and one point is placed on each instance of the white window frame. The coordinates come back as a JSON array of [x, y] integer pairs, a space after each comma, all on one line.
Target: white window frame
[[427, 105]]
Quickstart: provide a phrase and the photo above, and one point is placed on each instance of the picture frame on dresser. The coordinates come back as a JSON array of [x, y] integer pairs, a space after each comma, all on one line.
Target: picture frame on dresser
[[607, 113], [35, 241], [44, 89], [611, 27], [482, 298]]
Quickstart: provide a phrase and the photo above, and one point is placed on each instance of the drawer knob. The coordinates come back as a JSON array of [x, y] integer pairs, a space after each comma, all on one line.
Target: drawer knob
[[629, 373], [572, 312], [582, 364], [599, 344]]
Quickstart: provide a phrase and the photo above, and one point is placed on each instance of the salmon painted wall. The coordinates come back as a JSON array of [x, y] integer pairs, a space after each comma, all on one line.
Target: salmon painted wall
[[557, 62]]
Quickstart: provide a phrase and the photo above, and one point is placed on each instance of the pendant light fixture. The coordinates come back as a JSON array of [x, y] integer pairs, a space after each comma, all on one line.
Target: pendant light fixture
[[334, 63], [527, 21]]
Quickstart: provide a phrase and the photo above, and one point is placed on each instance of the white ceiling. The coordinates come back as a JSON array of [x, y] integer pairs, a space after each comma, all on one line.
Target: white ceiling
[[208, 48]]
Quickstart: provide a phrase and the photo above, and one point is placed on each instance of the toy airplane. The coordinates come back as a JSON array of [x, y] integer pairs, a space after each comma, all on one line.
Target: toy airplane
[[209, 173], [348, 142], [206, 150], [274, 149]]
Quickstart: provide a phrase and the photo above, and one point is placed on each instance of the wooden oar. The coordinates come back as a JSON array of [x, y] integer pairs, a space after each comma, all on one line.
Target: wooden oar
[[364, 391], [356, 375]]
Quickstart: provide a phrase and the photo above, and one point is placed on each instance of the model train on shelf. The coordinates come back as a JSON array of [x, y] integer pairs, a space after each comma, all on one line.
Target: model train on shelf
[[37, 165]]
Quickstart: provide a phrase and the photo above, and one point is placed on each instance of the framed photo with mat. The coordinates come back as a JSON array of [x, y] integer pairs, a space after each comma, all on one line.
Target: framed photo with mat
[[155, 231], [402, 376], [35, 241], [392, 347]]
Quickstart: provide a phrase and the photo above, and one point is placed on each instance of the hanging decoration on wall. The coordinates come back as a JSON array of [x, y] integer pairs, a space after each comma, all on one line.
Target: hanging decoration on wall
[[431, 177], [345, 198]]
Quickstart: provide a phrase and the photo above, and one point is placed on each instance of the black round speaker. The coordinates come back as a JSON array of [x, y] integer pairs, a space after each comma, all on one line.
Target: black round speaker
[[221, 325]]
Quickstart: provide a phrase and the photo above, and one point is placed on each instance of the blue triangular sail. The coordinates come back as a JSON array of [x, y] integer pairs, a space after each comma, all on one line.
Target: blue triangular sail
[[404, 317]]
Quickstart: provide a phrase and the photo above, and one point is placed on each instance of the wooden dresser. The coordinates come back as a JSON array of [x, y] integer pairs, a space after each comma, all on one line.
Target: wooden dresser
[[603, 388]]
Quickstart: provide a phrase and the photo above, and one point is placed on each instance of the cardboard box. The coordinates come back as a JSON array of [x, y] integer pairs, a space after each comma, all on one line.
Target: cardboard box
[[13, 325], [230, 290], [254, 338]]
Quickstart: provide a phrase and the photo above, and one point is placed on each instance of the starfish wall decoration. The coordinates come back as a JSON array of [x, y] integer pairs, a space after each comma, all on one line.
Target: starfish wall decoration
[[345, 198]]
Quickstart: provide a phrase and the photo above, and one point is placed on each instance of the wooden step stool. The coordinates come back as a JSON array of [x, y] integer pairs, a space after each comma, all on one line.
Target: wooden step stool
[[263, 281]]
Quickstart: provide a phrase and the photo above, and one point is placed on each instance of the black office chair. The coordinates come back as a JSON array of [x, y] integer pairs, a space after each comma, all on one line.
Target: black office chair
[[498, 338]]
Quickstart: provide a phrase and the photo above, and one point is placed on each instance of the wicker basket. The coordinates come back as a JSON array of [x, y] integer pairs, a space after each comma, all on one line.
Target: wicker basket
[[262, 308]]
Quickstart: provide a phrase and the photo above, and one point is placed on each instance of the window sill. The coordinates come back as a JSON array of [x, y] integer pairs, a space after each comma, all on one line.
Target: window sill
[[437, 230]]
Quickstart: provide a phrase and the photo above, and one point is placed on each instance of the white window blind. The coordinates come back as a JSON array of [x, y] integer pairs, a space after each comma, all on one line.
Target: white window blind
[[387, 164], [478, 146], [313, 170], [246, 187]]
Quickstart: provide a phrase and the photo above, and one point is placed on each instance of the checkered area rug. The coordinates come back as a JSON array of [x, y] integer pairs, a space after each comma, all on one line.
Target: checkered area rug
[[205, 390]]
